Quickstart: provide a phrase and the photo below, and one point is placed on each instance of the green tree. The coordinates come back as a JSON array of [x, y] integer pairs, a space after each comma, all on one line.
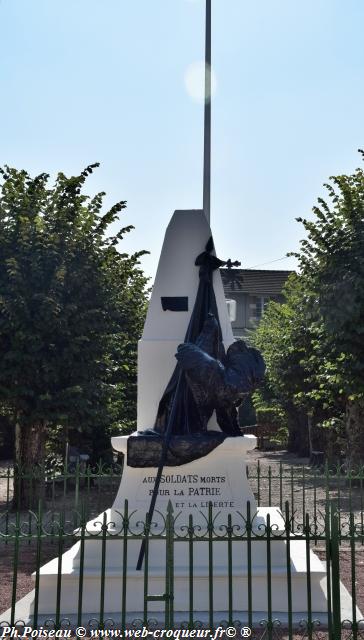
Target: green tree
[[283, 336], [332, 266], [301, 378], [313, 343], [71, 310]]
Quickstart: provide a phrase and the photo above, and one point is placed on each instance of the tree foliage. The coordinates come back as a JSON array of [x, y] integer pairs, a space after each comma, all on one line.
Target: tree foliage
[[284, 337], [71, 309], [332, 266], [314, 342]]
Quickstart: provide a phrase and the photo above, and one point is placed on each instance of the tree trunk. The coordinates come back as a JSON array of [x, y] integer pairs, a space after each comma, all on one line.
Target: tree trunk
[[29, 465], [309, 433], [319, 435], [355, 433], [297, 431]]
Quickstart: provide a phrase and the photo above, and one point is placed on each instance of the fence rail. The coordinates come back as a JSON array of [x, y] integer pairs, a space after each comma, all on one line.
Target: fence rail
[[307, 489]]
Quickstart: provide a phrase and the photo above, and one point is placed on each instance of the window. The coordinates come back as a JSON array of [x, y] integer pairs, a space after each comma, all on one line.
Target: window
[[257, 307], [261, 305], [231, 305]]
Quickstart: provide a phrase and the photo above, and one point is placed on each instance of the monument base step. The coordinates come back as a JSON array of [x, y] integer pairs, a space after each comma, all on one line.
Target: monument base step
[[24, 616], [201, 581]]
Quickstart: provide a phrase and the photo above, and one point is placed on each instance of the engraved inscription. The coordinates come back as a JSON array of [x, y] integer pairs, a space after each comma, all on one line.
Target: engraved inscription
[[189, 490]]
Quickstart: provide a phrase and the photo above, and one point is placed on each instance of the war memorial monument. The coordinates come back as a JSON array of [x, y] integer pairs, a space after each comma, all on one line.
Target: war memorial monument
[[186, 465]]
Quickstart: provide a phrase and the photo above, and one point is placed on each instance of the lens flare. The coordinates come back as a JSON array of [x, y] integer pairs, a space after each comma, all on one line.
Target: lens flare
[[195, 81]]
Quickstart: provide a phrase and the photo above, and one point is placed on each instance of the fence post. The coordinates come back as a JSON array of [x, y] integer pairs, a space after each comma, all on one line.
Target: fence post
[[308, 579], [82, 530], [335, 575], [353, 576], [7, 503], [59, 569], [169, 595], [146, 566], [15, 567], [230, 569], [269, 578], [289, 574], [210, 531], [328, 569], [249, 528], [190, 571], [125, 562], [38, 563]]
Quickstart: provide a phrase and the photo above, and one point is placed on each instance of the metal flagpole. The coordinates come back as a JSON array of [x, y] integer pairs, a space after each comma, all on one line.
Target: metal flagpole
[[207, 116], [206, 208]]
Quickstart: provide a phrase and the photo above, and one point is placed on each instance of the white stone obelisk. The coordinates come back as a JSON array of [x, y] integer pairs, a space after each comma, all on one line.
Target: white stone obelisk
[[177, 276]]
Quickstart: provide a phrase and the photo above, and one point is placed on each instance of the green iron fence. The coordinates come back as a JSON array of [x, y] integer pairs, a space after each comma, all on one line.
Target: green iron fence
[[309, 489], [306, 489], [27, 543], [321, 507], [63, 489]]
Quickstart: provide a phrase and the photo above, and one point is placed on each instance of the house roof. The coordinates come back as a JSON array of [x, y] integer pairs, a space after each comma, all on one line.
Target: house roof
[[254, 281]]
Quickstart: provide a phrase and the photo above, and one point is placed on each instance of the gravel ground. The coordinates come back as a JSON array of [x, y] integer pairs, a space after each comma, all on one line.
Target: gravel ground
[[277, 494]]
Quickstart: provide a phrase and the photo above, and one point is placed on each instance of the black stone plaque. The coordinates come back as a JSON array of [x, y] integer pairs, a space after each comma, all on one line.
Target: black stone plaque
[[176, 303]]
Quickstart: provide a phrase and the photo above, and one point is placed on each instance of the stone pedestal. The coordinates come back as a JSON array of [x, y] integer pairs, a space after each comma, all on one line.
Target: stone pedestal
[[219, 478]]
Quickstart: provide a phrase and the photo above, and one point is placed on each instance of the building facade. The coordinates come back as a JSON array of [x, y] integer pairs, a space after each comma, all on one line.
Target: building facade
[[247, 292]]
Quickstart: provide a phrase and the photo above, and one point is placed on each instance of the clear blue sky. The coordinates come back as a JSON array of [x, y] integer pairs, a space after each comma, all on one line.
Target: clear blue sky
[[103, 80]]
